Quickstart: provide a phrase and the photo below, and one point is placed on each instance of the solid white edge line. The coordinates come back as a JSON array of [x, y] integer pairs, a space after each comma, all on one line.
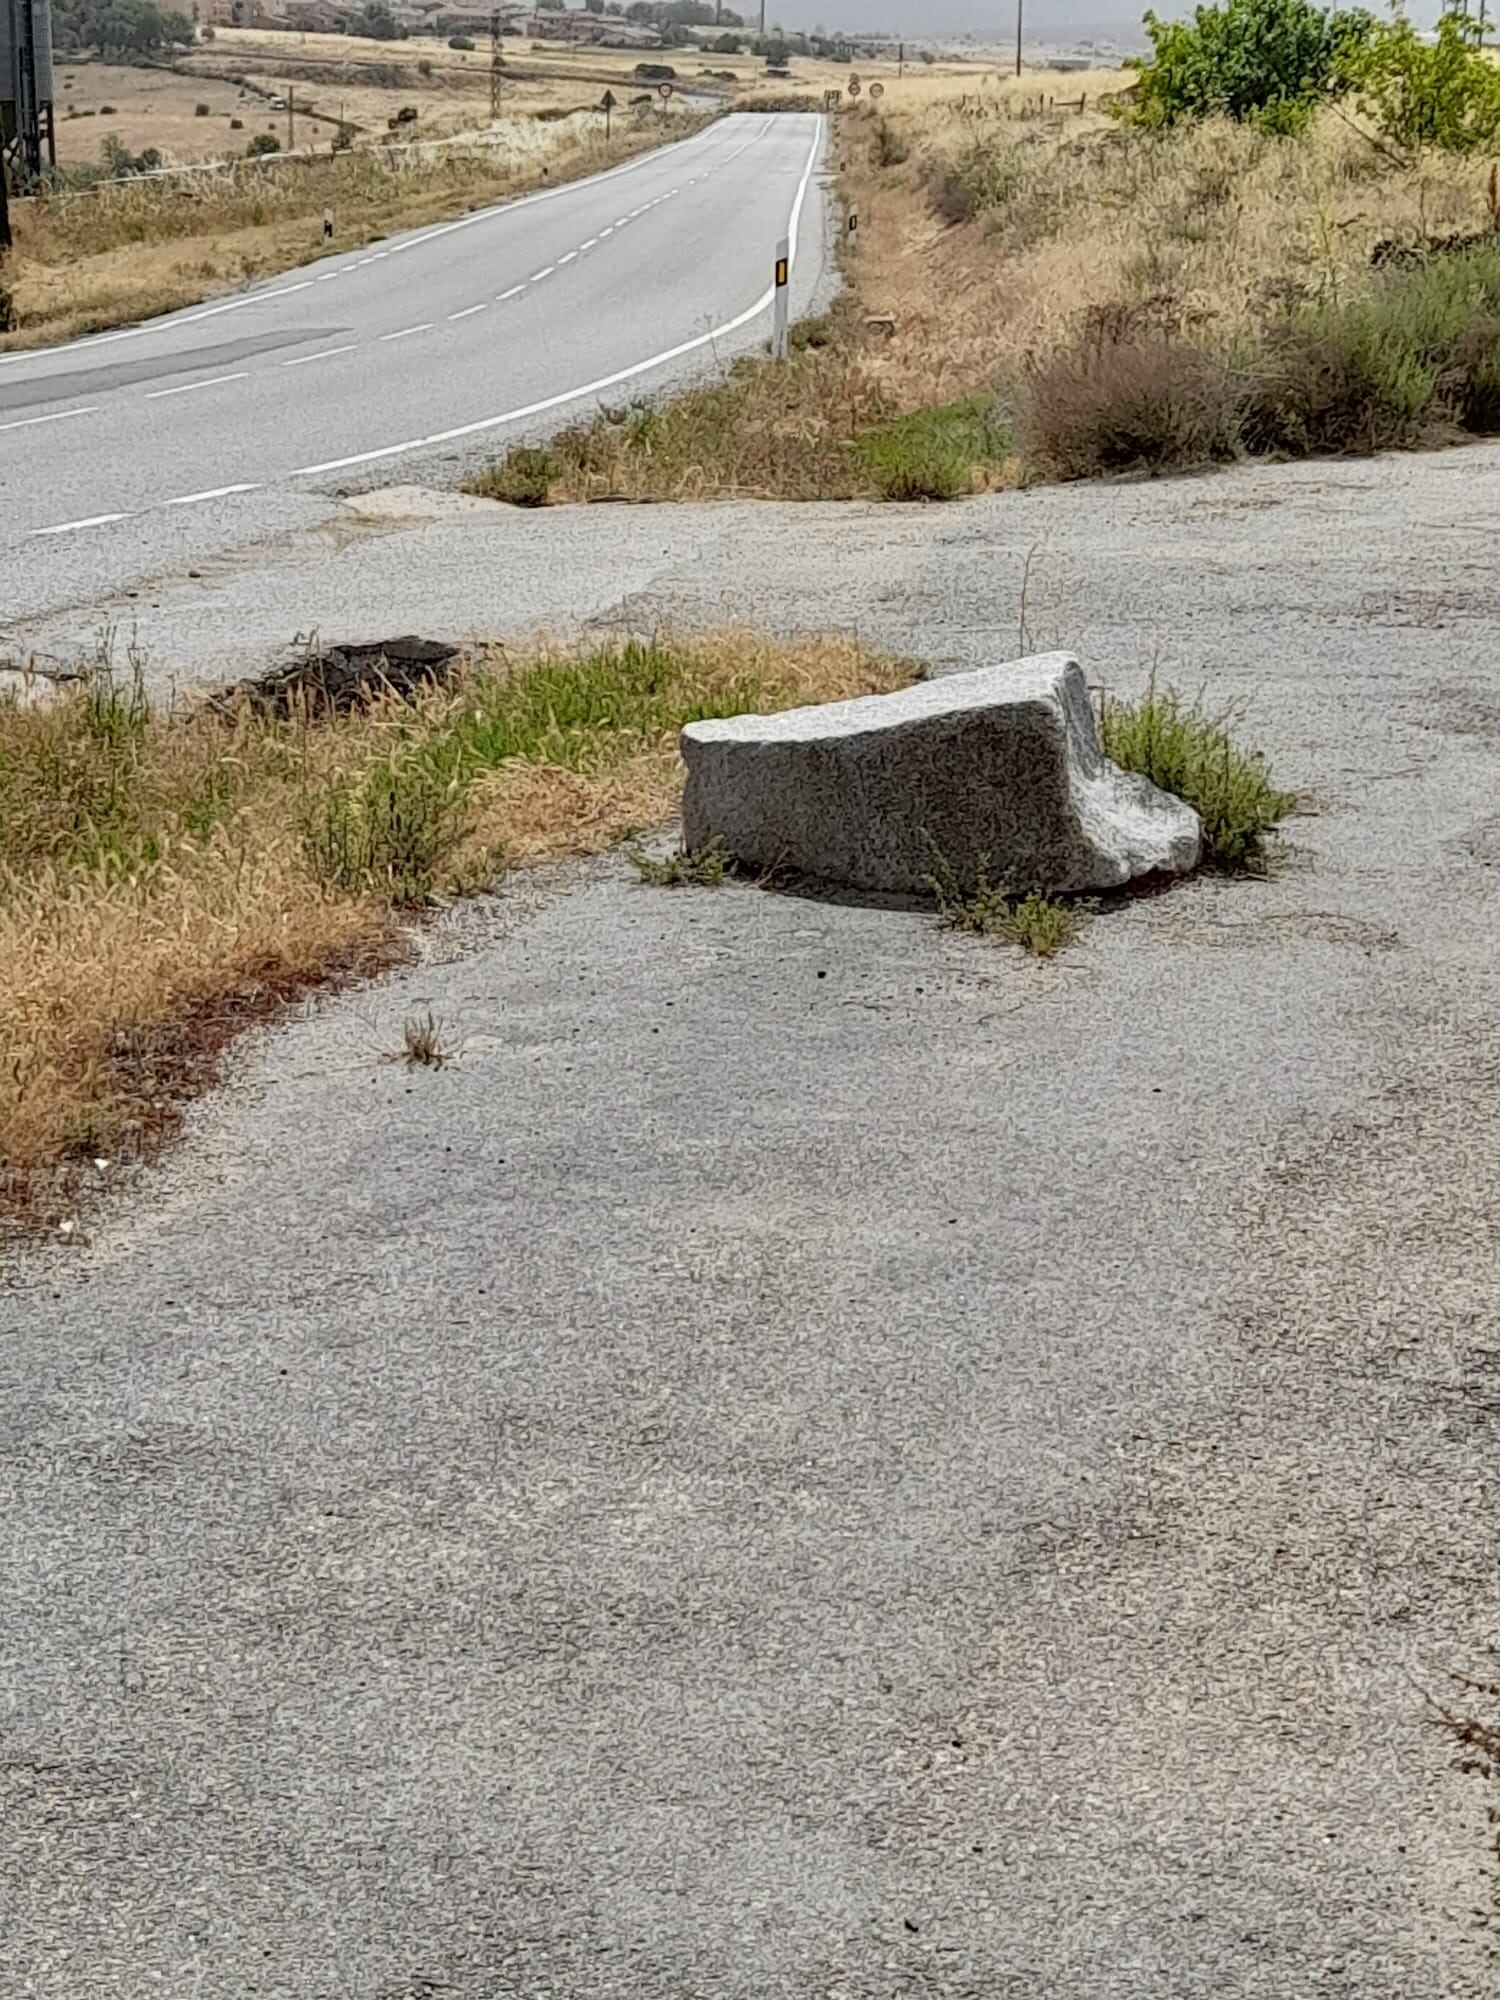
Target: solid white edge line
[[57, 417], [395, 250], [589, 388], [213, 493], [185, 388], [323, 354], [67, 527]]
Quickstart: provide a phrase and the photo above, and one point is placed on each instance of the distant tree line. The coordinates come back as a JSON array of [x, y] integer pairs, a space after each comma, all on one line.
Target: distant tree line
[[118, 28]]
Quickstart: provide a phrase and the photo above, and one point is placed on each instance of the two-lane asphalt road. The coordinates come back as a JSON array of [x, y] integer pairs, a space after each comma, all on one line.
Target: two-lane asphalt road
[[449, 339]]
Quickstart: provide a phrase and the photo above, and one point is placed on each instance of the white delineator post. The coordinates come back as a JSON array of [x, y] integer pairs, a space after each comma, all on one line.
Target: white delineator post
[[781, 305]]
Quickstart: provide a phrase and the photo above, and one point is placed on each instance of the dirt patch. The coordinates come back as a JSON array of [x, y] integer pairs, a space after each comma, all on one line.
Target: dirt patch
[[343, 678]]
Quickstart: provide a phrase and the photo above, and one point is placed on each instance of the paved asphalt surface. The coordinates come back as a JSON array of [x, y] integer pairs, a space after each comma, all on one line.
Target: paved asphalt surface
[[818, 1457], [133, 451]]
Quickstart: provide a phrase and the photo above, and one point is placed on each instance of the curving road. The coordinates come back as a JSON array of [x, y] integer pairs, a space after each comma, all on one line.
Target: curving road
[[367, 367]]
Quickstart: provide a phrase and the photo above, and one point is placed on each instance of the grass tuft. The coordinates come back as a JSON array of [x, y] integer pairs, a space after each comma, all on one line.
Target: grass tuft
[[422, 1044], [709, 868], [1187, 751], [523, 478], [1039, 924]]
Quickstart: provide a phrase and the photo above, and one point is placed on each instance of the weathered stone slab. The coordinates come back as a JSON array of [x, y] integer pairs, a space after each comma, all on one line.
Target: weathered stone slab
[[995, 773]]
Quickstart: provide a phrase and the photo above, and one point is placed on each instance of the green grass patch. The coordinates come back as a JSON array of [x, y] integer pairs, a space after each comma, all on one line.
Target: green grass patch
[[1185, 750], [935, 454]]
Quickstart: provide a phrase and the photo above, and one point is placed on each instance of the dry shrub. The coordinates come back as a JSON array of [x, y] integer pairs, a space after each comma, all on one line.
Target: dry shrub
[[1149, 402]]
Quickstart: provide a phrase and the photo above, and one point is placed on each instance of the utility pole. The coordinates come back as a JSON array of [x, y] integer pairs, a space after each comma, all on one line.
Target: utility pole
[[494, 67], [291, 118], [1019, 5], [5, 239]]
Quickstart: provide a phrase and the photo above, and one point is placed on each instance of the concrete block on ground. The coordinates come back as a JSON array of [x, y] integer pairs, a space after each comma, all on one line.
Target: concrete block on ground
[[996, 773]]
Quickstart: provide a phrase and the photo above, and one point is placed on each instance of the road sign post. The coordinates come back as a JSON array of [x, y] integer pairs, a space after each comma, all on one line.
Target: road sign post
[[607, 105], [781, 303]]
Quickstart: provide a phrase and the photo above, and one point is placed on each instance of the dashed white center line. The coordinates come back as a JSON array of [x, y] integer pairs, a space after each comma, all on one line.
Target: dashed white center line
[[425, 327], [606, 232], [212, 493], [57, 417], [187, 388], [323, 354], [89, 521], [568, 257], [537, 276], [514, 293], [590, 244], [468, 311]]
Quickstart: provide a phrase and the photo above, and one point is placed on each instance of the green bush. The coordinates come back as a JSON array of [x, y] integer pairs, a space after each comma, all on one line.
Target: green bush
[[1421, 348], [1443, 93], [1265, 62], [1184, 750], [523, 477]]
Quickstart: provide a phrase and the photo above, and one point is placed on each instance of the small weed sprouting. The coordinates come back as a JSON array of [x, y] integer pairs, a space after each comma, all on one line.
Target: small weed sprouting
[[1041, 925], [978, 910], [1185, 750], [709, 868], [422, 1042]]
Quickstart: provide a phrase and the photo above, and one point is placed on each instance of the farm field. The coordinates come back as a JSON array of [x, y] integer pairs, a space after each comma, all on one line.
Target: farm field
[[334, 78]]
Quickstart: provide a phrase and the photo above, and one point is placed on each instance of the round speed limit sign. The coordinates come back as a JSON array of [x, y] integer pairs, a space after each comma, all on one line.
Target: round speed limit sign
[[854, 86], [877, 90]]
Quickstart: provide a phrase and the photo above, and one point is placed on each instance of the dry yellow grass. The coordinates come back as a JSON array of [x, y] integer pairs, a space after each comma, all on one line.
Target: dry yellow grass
[[166, 879], [1213, 227], [1000, 226]]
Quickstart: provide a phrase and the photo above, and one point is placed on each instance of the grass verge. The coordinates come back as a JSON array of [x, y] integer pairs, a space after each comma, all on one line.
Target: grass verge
[[1043, 293], [169, 877]]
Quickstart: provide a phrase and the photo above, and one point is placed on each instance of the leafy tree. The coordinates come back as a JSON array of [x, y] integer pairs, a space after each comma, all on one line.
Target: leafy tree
[[1266, 62], [262, 143], [1442, 93], [376, 23], [119, 28]]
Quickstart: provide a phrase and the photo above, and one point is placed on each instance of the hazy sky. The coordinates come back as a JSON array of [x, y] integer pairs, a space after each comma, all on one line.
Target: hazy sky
[[1047, 21]]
